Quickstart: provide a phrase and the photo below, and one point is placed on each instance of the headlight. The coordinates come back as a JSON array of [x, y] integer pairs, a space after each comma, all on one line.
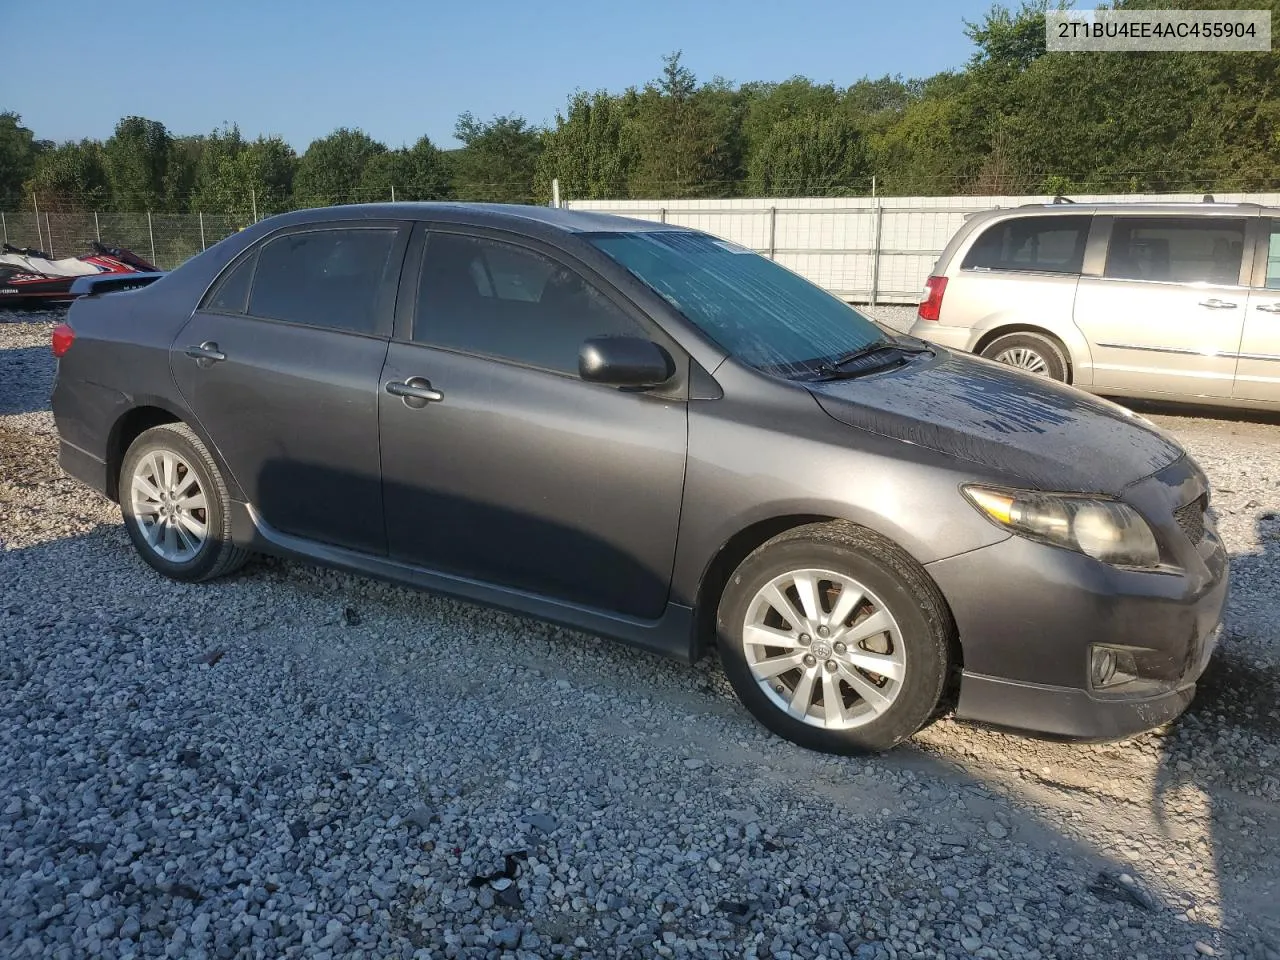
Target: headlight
[[1106, 530]]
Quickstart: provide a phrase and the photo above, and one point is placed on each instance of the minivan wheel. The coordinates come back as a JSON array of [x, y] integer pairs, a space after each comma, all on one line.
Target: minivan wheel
[[176, 506], [835, 639], [1031, 353]]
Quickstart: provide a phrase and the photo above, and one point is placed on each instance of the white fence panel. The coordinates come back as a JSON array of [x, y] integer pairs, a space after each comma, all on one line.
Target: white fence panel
[[864, 249]]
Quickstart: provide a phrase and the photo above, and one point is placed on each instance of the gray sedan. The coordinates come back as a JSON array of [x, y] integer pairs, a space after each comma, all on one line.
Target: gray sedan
[[649, 433]]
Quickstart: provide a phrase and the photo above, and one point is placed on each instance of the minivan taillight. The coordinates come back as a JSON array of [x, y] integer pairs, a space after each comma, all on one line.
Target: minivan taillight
[[63, 337], [931, 305]]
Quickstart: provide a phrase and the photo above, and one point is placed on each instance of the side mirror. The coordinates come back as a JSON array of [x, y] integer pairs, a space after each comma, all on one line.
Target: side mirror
[[624, 362]]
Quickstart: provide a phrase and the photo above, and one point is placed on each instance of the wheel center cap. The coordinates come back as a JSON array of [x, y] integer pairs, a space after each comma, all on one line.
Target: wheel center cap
[[821, 649]]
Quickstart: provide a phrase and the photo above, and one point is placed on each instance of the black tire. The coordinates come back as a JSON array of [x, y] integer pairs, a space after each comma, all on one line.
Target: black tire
[[217, 556], [924, 623], [1047, 349]]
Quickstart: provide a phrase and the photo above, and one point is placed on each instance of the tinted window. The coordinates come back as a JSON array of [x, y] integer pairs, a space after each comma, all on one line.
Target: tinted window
[[231, 294], [1273, 257], [1181, 250], [326, 278], [762, 313], [500, 300], [1052, 244]]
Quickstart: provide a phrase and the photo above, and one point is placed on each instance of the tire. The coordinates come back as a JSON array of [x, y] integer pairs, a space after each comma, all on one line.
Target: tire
[[1031, 353], [915, 645], [174, 448]]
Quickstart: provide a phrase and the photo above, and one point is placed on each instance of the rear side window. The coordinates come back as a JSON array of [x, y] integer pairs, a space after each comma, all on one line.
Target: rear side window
[[1176, 249], [324, 278], [232, 293], [497, 299], [1041, 244]]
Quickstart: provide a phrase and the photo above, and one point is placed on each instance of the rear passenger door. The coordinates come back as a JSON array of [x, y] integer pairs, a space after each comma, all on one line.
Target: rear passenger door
[[1165, 316], [1258, 372], [516, 472], [280, 365]]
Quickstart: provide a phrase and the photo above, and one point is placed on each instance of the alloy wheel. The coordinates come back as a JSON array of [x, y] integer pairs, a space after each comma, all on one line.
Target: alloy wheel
[[169, 505], [824, 648]]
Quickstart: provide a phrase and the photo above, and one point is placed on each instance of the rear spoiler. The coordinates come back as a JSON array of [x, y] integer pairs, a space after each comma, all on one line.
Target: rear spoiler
[[113, 283]]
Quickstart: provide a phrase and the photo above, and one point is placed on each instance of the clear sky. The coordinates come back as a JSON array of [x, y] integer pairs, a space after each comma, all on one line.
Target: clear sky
[[398, 69]]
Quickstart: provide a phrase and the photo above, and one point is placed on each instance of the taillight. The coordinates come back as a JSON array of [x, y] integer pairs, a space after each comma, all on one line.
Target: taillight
[[63, 337], [931, 305]]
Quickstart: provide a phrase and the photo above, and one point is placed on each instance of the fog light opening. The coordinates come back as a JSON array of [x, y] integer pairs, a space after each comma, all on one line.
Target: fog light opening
[[1111, 667]]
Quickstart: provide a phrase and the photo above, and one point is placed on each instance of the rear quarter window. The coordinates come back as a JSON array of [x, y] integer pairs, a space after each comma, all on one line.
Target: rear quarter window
[[1037, 244]]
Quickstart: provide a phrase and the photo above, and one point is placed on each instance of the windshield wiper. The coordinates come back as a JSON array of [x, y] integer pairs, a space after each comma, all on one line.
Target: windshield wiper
[[831, 369]]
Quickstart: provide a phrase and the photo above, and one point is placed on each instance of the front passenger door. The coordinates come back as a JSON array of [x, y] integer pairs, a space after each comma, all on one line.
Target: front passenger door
[[518, 473]]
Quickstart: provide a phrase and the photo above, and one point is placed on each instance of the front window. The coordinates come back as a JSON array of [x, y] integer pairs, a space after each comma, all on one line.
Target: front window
[[761, 313]]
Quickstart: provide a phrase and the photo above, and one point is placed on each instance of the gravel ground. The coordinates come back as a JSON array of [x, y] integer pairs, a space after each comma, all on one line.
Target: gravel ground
[[296, 762]]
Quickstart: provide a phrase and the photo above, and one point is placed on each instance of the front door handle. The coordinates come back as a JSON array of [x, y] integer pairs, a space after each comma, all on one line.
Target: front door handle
[[1213, 303], [1269, 307], [416, 392], [206, 354]]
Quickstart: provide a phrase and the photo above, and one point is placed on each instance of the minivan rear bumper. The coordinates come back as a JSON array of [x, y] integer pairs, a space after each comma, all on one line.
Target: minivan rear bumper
[[954, 338], [1028, 615]]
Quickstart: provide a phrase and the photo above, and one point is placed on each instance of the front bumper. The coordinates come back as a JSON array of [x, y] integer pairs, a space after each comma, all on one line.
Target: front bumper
[[1028, 613]]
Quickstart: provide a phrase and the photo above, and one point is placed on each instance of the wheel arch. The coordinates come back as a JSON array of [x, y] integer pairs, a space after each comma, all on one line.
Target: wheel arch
[[742, 544], [1007, 329], [151, 412]]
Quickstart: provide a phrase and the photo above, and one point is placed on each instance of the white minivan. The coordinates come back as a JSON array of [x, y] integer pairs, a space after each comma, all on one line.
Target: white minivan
[[1168, 301]]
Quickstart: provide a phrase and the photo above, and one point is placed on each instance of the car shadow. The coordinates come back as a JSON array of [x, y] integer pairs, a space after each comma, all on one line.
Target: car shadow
[[26, 379]]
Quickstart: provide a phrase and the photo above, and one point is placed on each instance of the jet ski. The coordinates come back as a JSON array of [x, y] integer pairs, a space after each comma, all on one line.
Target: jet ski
[[28, 275]]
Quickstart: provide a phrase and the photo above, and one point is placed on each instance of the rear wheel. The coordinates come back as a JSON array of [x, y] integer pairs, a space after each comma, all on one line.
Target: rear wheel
[[1031, 353], [835, 639], [176, 507]]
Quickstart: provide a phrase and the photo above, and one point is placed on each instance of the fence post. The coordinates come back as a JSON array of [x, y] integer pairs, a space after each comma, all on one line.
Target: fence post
[[203, 245], [48, 229], [97, 230], [253, 201], [662, 213], [36, 207], [393, 193], [555, 192], [151, 234], [773, 228], [4, 224], [875, 254]]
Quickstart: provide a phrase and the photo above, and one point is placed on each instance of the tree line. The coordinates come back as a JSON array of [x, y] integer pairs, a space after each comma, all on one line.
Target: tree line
[[1012, 120]]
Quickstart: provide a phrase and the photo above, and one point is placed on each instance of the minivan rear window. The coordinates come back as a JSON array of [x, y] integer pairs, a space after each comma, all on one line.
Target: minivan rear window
[[1040, 244]]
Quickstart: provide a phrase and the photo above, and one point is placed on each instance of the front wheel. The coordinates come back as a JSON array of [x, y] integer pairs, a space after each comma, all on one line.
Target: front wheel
[[835, 639]]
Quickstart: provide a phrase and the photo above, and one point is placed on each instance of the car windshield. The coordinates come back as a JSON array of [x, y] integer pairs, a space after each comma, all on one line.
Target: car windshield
[[759, 312]]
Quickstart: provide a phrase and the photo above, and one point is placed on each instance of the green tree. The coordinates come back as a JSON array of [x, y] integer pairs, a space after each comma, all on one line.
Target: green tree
[[587, 150], [811, 155], [71, 176], [332, 168], [418, 173], [499, 159], [18, 151], [136, 156]]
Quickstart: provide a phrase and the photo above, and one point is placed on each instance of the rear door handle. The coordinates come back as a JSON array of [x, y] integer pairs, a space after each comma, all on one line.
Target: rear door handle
[[205, 354], [1269, 307], [416, 392], [1213, 303]]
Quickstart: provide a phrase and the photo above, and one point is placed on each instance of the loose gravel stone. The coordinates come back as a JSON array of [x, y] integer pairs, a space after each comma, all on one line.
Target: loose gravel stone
[[241, 769]]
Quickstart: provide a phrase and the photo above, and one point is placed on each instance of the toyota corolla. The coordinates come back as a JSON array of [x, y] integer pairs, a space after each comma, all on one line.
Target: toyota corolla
[[650, 433]]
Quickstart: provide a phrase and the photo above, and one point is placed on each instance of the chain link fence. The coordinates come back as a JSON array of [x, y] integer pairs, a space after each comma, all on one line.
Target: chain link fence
[[165, 239]]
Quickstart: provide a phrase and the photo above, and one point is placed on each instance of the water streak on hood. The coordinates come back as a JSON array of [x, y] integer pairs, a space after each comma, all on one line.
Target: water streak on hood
[[1051, 436]]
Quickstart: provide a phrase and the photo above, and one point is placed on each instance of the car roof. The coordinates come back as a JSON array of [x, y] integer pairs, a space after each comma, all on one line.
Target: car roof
[[517, 216], [1135, 207]]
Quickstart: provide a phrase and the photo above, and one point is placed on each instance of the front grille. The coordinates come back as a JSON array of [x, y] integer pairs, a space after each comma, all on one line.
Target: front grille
[[1191, 518]]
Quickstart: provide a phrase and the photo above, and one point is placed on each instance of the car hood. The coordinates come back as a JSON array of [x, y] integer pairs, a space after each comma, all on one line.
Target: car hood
[[1050, 436]]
